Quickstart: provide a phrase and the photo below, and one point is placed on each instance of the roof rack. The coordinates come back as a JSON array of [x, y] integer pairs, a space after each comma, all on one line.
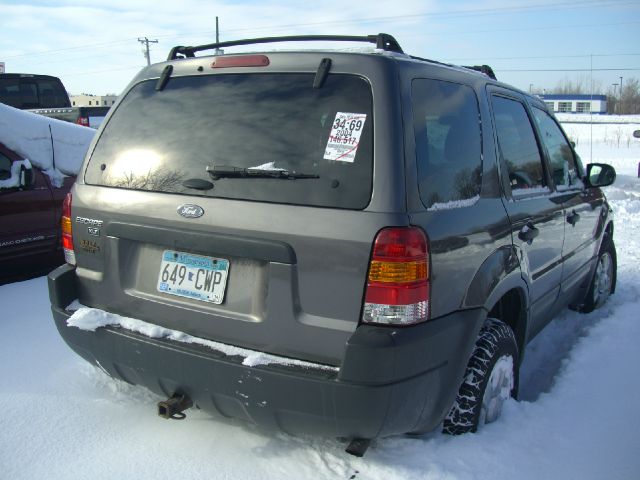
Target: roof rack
[[486, 69], [383, 41]]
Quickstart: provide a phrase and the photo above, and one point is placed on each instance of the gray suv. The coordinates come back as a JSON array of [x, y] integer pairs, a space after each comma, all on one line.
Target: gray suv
[[346, 244]]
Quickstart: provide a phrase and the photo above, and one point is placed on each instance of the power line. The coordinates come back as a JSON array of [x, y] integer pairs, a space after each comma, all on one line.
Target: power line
[[569, 70], [386, 19], [442, 14], [524, 29], [542, 57], [57, 50]]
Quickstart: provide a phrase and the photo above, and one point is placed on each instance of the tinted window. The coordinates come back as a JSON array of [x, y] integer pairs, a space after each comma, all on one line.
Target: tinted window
[[158, 139], [518, 146], [564, 169], [5, 167], [33, 92], [448, 142]]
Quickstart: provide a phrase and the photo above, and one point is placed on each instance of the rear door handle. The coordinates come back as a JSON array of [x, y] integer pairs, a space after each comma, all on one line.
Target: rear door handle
[[573, 217], [528, 233]]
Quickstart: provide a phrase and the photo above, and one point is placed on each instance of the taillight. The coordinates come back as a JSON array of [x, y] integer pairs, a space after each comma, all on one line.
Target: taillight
[[398, 283], [67, 234], [84, 121]]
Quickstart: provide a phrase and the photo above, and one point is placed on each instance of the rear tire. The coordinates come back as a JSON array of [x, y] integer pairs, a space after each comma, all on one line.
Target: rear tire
[[489, 380], [603, 283]]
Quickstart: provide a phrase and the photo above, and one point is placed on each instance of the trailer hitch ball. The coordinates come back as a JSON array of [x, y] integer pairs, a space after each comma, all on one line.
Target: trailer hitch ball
[[174, 407]]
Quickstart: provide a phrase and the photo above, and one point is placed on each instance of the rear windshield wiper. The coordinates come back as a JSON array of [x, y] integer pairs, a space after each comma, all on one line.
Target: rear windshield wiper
[[227, 171]]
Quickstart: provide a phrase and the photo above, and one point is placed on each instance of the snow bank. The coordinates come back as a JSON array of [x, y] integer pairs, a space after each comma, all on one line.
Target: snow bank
[[586, 118], [577, 418], [54, 146]]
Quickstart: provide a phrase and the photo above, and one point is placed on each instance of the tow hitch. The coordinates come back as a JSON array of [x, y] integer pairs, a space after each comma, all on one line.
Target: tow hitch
[[358, 446], [174, 407]]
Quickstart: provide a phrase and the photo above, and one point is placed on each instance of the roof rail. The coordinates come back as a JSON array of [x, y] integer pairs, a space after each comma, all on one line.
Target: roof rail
[[486, 69], [383, 41]]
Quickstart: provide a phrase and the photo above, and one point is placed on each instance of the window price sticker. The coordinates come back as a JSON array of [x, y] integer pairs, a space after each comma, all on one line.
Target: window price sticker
[[345, 137]]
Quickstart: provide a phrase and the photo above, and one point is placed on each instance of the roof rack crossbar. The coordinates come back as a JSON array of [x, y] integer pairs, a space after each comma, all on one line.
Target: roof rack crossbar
[[382, 41], [486, 69]]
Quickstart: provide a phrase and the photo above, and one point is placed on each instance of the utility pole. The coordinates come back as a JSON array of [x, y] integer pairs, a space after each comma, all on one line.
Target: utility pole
[[218, 51], [620, 111], [145, 49]]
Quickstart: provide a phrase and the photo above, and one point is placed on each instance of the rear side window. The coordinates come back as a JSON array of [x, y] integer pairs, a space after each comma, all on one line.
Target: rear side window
[[33, 92], [157, 140], [448, 142], [518, 146]]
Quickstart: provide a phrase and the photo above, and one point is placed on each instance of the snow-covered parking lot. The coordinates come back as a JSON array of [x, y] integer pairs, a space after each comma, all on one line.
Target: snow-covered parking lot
[[578, 416]]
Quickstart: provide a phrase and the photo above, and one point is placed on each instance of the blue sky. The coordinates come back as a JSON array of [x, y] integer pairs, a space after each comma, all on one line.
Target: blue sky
[[533, 44]]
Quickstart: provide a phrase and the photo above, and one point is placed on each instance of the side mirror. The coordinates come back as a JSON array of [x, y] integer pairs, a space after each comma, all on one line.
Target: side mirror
[[26, 177], [573, 144], [600, 174]]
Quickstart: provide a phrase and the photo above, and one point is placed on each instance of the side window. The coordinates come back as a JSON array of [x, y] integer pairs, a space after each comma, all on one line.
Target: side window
[[5, 167], [564, 169], [518, 146], [446, 124]]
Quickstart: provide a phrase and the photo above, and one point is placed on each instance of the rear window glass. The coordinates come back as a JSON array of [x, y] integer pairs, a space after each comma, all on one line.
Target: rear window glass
[[33, 92], [448, 142], [157, 140]]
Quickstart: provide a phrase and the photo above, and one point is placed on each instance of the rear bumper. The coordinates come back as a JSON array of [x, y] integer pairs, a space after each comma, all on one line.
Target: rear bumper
[[391, 381]]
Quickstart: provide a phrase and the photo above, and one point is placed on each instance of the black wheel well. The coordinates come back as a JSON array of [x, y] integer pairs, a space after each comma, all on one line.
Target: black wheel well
[[609, 229], [511, 309]]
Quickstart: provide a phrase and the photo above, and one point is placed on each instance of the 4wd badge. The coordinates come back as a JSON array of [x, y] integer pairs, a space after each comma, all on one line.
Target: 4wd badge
[[190, 211]]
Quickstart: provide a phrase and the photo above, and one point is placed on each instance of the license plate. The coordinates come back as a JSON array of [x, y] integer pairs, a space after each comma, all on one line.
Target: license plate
[[193, 276]]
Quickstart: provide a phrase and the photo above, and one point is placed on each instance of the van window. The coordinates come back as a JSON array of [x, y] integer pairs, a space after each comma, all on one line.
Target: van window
[[448, 141], [156, 140]]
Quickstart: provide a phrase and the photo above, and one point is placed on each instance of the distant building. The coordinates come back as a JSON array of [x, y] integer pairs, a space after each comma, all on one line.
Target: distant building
[[576, 103], [85, 100]]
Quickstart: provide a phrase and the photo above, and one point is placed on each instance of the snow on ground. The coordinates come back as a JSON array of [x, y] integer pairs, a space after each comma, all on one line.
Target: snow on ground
[[61, 418], [604, 142], [54, 146]]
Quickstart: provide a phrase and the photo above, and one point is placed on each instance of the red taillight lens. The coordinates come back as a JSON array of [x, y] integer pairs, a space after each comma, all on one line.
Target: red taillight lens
[[241, 61], [84, 121], [67, 234], [398, 282]]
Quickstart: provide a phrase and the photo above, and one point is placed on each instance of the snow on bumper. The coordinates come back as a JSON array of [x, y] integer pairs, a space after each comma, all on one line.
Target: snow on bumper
[[90, 319], [391, 381]]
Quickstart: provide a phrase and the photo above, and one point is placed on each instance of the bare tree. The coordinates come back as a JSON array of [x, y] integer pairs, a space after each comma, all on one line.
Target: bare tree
[[630, 97], [583, 85]]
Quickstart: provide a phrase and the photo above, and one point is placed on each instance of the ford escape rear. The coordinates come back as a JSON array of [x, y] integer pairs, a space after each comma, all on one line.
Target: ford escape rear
[[325, 241]]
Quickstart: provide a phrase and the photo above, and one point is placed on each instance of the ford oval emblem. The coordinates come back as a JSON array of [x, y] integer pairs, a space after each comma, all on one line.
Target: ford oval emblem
[[190, 211]]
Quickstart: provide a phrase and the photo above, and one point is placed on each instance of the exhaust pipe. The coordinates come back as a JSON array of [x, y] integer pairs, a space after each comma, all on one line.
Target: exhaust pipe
[[174, 407]]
